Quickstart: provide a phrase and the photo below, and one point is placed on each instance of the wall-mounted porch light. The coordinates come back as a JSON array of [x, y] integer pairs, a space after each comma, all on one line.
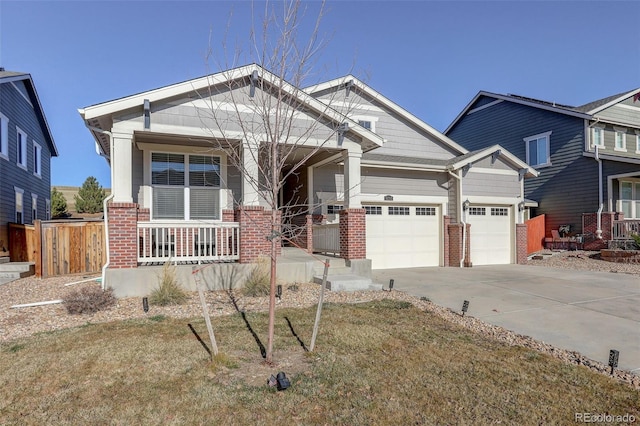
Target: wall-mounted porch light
[[465, 205], [521, 206]]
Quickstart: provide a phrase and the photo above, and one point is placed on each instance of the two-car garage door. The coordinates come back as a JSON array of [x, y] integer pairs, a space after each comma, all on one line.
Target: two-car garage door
[[403, 236]]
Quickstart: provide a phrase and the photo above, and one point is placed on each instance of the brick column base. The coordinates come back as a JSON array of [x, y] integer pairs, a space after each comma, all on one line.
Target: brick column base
[[590, 226], [353, 234], [123, 245], [521, 244], [255, 231], [455, 245]]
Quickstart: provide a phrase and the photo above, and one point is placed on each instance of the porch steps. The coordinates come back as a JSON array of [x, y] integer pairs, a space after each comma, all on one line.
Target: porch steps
[[348, 282], [11, 271]]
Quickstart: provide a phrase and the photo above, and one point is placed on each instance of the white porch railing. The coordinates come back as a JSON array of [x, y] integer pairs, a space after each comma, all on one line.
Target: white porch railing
[[188, 241], [326, 238], [622, 229]]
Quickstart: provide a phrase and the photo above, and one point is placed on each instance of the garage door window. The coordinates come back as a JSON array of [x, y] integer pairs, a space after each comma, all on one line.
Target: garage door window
[[374, 210], [477, 211], [425, 211], [398, 211], [499, 211]]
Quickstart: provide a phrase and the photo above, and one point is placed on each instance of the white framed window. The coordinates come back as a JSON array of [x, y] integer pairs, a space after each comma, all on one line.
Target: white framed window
[[477, 211], [4, 137], [21, 149], [37, 159], [334, 208], [425, 211], [499, 211], [34, 207], [47, 206], [373, 210], [19, 198], [637, 142], [620, 140], [367, 122], [185, 186], [629, 201], [398, 211], [597, 137], [538, 149]]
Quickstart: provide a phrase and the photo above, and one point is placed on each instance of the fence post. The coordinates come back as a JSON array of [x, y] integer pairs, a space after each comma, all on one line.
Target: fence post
[[37, 224]]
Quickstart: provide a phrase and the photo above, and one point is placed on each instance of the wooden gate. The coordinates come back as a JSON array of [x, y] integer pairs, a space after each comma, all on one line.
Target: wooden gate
[[60, 247], [535, 234]]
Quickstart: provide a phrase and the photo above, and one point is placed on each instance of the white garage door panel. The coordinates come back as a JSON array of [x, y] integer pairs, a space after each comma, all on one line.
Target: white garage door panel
[[403, 241], [490, 235]]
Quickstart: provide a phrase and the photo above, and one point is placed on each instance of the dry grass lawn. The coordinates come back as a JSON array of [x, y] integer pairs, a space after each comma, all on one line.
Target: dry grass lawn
[[383, 362]]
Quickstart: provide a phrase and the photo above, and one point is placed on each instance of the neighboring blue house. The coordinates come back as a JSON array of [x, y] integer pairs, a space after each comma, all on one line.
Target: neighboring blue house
[[560, 142], [26, 148]]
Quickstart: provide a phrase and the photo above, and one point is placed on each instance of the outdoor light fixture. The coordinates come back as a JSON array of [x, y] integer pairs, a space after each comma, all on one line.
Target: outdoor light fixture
[[145, 304], [465, 307], [390, 285], [613, 359], [465, 205], [279, 291], [521, 206], [282, 381]]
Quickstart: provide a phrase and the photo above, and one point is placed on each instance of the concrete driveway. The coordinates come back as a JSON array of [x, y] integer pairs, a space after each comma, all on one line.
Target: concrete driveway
[[588, 312]]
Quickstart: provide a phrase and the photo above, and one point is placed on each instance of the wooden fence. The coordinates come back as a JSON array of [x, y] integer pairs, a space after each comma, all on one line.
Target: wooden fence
[[60, 247], [535, 234]]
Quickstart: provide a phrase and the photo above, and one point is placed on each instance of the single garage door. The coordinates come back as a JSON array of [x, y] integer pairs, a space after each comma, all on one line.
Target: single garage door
[[490, 234], [403, 236]]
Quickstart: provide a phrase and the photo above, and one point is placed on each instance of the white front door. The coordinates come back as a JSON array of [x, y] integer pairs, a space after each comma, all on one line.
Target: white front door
[[491, 236], [403, 236]]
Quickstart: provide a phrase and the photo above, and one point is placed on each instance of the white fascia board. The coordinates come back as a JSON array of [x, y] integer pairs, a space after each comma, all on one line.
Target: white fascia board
[[615, 101], [401, 166], [616, 158], [388, 103], [489, 200]]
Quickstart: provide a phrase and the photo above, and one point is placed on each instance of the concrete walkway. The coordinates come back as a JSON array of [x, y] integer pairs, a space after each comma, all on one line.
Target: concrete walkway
[[589, 312]]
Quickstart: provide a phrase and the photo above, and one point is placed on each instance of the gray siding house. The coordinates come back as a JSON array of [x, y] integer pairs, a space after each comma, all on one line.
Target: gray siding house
[[26, 148], [373, 183], [588, 156]]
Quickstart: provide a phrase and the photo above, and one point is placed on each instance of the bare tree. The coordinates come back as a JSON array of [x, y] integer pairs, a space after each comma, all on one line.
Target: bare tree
[[267, 125]]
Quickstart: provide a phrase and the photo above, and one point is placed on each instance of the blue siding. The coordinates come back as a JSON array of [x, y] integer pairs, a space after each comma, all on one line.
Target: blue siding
[[565, 189], [20, 113]]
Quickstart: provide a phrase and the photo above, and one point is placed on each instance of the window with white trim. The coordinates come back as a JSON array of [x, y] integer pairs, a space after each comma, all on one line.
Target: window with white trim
[[185, 186], [620, 141], [425, 211], [21, 149], [538, 149], [37, 160], [367, 122], [499, 211], [629, 202], [597, 137], [373, 210], [398, 211], [477, 211], [19, 205], [4, 137], [637, 143], [47, 206], [34, 207], [334, 209]]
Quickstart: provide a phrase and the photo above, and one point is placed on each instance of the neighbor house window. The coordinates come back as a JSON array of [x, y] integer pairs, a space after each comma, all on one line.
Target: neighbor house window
[[21, 149], [4, 137], [621, 140], [538, 150], [597, 136], [34, 207], [19, 205], [334, 209], [185, 186], [37, 160], [630, 199]]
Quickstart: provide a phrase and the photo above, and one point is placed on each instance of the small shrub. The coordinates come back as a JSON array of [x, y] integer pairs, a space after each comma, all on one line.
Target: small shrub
[[636, 240], [168, 291], [89, 300], [258, 281]]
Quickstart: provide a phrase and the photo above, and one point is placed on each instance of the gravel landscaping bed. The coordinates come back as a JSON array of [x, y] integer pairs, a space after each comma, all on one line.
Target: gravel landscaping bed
[[22, 322]]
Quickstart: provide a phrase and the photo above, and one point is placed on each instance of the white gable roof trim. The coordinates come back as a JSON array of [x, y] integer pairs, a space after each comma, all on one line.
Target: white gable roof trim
[[505, 155]]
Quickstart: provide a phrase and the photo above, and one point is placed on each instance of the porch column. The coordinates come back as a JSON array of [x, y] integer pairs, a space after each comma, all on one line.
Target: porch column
[[250, 196], [352, 179], [122, 167]]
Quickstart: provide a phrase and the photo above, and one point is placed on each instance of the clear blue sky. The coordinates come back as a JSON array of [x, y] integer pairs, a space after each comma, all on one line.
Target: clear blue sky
[[429, 57]]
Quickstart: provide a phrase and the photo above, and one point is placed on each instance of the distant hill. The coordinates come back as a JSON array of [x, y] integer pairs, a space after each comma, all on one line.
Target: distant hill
[[69, 193]]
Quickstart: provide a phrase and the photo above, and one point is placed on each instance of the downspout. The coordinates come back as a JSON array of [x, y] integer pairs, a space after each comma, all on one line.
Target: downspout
[[462, 217], [599, 214], [107, 199]]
